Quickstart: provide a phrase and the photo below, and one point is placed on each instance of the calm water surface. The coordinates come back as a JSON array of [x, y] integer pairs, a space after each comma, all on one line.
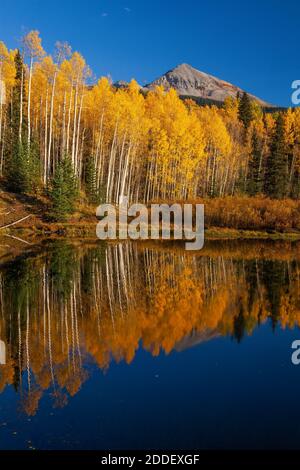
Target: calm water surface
[[148, 346]]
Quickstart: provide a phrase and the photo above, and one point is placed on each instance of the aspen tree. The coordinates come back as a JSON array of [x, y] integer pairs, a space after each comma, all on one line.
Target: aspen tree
[[33, 49], [63, 50]]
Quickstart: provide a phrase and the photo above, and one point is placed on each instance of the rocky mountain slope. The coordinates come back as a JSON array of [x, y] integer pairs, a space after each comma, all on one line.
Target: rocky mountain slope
[[189, 81]]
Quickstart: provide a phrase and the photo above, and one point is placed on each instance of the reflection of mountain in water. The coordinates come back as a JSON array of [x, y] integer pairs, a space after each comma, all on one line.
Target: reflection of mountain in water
[[195, 338], [66, 305]]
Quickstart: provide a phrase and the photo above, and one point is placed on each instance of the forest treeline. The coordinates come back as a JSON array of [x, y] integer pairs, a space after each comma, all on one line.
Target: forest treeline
[[64, 136]]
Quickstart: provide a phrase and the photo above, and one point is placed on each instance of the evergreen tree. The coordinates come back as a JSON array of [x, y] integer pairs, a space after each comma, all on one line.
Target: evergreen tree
[[245, 110], [64, 190], [14, 154], [91, 188], [17, 170], [23, 168], [254, 179], [277, 165], [33, 166]]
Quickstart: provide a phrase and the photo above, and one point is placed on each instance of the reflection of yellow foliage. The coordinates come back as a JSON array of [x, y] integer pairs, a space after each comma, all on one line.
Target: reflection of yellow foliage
[[158, 300], [30, 402], [6, 374]]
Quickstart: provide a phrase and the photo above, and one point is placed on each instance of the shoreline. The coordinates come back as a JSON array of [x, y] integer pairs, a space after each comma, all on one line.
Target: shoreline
[[19, 239], [88, 230]]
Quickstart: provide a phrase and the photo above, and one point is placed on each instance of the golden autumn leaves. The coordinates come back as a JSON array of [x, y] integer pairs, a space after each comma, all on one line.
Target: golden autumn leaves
[[146, 146]]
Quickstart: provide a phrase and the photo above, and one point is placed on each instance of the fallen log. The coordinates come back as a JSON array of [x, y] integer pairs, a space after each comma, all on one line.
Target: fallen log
[[16, 222], [17, 238]]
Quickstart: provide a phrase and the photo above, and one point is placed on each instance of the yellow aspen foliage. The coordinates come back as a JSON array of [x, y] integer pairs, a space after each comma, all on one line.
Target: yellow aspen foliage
[[146, 145]]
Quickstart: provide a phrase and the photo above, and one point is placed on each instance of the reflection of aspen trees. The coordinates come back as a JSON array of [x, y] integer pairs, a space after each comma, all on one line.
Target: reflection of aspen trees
[[27, 343], [1, 297], [109, 284], [67, 335], [123, 272], [20, 348], [2, 353], [76, 322], [48, 314], [104, 301], [97, 291], [2, 343], [44, 308], [72, 331]]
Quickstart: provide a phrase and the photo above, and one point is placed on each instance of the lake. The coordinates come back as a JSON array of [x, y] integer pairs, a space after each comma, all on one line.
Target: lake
[[147, 346]]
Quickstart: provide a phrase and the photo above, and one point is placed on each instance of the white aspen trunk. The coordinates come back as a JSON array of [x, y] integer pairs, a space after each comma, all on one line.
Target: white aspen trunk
[[21, 106], [100, 164], [51, 120], [29, 103], [41, 120], [45, 176], [149, 179], [128, 164], [77, 165], [117, 193], [111, 180], [2, 148], [69, 118], [74, 124], [63, 139], [81, 156], [97, 151], [212, 188], [225, 179], [111, 165], [98, 157]]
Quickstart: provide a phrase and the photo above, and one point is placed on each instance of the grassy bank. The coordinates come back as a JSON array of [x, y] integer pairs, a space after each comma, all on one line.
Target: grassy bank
[[225, 218], [256, 214]]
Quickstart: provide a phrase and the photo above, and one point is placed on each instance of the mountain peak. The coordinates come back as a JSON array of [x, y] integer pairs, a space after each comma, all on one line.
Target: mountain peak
[[184, 66], [188, 81]]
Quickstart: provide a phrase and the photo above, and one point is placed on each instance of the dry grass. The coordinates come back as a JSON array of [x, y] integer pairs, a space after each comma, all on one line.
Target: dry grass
[[252, 213]]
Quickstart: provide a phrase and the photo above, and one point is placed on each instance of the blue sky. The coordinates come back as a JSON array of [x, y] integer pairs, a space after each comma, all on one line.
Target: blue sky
[[253, 44]]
